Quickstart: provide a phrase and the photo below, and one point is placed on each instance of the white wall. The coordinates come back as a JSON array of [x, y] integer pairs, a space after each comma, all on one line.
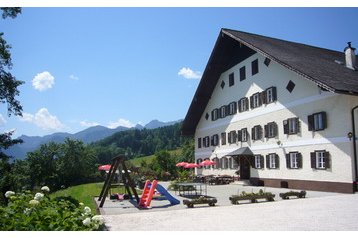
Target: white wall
[[305, 99]]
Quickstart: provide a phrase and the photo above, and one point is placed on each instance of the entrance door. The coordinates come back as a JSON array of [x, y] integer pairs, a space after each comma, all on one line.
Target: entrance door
[[244, 167]]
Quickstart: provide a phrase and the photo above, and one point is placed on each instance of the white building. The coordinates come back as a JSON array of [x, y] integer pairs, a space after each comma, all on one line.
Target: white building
[[282, 114]]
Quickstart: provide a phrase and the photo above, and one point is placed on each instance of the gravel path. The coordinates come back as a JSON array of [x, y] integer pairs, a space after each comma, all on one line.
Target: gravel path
[[338, 212]]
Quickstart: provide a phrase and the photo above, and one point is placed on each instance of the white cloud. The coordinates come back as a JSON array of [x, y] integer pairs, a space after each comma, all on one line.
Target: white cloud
[[189, 73], [73, 77], [43, 81], [2, 120], [88, 124], [44, 120], [120, 122]]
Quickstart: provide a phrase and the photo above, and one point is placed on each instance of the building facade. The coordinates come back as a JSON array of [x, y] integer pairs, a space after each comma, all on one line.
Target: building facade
[[259, 112]]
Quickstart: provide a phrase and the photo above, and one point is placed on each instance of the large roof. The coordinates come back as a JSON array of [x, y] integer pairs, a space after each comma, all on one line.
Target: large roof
[[313, 63]]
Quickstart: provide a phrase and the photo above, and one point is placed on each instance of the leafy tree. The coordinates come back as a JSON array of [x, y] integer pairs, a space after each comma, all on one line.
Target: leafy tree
[[8, 92]]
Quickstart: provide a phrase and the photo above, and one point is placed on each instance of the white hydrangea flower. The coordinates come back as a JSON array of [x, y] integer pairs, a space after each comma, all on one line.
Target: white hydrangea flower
[[45, 189], [34, 202], [81, 204], [27, 211], [39, 196], [87, 221], [98, 219], [9, 194], [87, 210]]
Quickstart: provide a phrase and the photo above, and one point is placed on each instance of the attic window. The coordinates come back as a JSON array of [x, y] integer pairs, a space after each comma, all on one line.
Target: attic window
[[255, 67], [231, 79], [222, 85], [290, 86], [242, 73], [207, 116], [267, 61]]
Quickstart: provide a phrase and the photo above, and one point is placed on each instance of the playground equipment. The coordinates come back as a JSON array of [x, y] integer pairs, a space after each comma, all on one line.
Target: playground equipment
[[148, 192], [127, 181]]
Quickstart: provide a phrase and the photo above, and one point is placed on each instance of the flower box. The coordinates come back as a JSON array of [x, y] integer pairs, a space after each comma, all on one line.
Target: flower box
[[252, 197], [287, 195], [201, 200]]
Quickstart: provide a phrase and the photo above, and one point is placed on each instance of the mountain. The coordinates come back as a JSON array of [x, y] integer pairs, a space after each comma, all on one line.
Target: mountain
[[89, 135]]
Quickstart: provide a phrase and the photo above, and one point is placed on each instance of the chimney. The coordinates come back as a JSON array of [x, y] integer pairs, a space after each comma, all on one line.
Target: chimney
[[350, 56]]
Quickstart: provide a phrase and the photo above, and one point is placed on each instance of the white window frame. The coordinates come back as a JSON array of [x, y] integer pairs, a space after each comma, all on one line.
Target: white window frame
[[271, 130], [292, 126], [243, 104], [318, 121], [232, 108], [272, 160], [224, 163], [256, 100], [258, 161], [244, 136], [320, 160], [293, 160], [269, 95]]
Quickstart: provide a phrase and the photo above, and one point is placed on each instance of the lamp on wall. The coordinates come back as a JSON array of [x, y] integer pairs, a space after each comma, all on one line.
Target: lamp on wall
[[279, 143], [350, 135]]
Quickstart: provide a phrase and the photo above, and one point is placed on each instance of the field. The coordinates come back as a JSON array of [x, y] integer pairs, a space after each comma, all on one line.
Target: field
[[84, 193]]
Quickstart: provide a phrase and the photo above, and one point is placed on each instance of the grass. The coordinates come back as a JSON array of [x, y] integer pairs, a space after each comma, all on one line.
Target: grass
[[84, 193], [149, 159]]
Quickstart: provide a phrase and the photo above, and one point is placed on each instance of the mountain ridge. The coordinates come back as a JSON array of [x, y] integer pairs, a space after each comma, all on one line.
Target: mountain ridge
[[88, 135]]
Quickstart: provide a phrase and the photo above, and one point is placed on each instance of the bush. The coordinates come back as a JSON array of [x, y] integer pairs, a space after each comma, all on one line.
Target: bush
[[28, 212]]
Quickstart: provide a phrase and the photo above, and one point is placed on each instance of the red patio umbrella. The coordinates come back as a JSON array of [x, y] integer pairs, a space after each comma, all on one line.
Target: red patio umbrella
[[191, 165], [181, 164], [207, 163], [105, 167]]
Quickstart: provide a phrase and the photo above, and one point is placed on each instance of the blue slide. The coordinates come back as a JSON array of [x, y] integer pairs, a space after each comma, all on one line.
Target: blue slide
[[165, 193]]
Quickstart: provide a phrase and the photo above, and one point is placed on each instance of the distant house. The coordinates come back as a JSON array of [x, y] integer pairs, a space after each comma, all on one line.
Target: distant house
[[282, 114]]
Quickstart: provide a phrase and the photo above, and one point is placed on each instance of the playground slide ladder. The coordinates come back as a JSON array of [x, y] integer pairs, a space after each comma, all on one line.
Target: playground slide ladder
[[148, 193]]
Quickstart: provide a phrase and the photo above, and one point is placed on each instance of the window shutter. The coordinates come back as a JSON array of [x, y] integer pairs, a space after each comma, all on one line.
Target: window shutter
[[285, 126], [313, 160], [299, 160], [239, 135], [288, 164], [260, 132], [212, 140], [262, 162], [234, 137], [298, 125], [247, 104], [229, 137], [326, 160], [227, 110], [324, 120], [251, 102], [310, 120], [240, 108], [277, 161], [275, 129], [274, 94], [252, 161], [268, 162], [253, 133], [263, 97], [260, 97], [266, 130]]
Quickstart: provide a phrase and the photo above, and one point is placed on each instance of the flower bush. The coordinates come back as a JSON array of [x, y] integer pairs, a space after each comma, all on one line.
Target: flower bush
[[28, 212]]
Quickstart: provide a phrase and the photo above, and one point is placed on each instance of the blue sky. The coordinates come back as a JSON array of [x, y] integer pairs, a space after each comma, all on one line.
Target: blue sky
[[123, 66]]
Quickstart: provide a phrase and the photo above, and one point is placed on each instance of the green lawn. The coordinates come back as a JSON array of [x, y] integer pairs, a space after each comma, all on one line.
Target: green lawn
[[148, 159], [84, 193]]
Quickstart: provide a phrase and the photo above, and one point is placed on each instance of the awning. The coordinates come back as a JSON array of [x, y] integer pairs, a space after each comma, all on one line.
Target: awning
[[241, 151]]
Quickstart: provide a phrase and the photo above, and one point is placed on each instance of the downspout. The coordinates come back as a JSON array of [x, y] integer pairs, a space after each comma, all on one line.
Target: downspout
[[354, 145]]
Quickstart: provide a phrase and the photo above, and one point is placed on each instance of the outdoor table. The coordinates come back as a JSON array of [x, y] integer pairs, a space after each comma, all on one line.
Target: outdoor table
[[192, 189]]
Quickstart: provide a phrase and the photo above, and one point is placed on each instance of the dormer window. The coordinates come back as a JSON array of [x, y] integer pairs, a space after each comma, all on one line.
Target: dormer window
[[231, 79]]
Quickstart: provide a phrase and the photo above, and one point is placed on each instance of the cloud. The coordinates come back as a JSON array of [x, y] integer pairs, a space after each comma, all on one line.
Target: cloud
[[73, 77], [2, 120], [120, 122], [43, 119], [189, 73], [86, 123], [43, 81]]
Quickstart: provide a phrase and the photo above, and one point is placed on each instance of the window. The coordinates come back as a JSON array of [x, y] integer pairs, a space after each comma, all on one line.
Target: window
[[242, 73], [206, 141], [232, 137], [291, 126], [243, 104], [269, 95], [217, 163], [231, 79], [320, 159], [199, 143], [232, 108], [255, 67], [242, 135], [271, 130], [317, 121], [256, 132], [255, 100], [223, 138], [290, 86], [272, 161], [224, 163], [267, 62], [214, 114], [259, 162], [294, 160], [215, 140], [223, 112]]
